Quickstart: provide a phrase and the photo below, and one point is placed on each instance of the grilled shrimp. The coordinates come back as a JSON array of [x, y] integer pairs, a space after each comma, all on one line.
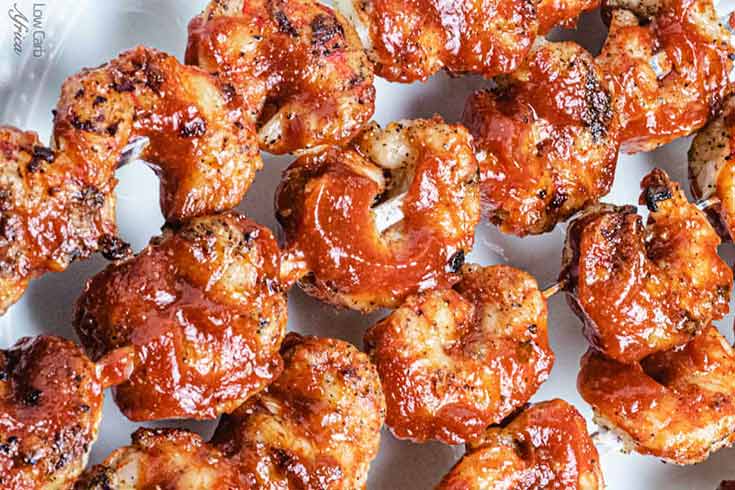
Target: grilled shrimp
[[545, 157], [204, 309], [454, 361], [677, 405], [170, 459], [638, 289], [544, 447], [324, 206], [297, 66], [58, 203], [671, 62], [712, 168], [317, 427], [412, 40], [50, 409]]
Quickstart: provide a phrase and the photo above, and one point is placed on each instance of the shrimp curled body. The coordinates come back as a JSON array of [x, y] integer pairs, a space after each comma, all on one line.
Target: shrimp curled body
[[455, 361]]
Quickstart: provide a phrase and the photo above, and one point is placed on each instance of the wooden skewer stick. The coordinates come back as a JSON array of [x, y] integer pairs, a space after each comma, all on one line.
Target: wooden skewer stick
[[707, 203], [133, 150], [553, 289]]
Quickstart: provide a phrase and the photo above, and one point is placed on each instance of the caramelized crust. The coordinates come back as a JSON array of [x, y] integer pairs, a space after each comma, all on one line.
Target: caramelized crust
[[324, 205], [412, 40], [205, 312], [712, 168], [200, 145], [170, 459], [543, 157], [297, 67], [58, 203], [453, 362], [52, 211], [317, 427], [50, 410], [638, 289], [695, 64], [677, 405], [545, 447]]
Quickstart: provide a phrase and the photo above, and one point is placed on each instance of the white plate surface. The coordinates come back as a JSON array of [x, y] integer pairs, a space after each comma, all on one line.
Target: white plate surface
[[81, 33]]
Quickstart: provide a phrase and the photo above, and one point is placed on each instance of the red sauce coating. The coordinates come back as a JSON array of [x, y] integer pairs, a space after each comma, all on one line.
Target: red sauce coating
[[162, 459], [548, 139], [297, 67], [412, 40], [324, 205], [655, 110], [50, 409], [453, 362], [51, 212], [317, 427], [201, 147], [204, 311], [544, 447], [678, 405], [639, 289]]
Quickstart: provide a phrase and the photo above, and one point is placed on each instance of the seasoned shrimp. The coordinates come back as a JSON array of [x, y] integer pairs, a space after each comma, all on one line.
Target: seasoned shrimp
[[545, 447], [201, 145], [671, 61], [297, 66], [712, 168], [51, 212], [545, 158], [50, 409], [412, 40], [642, 290], [677, 405], [170, 459], [317, 427], [204, 309], [58, 203], [324, 205], [453, 362]]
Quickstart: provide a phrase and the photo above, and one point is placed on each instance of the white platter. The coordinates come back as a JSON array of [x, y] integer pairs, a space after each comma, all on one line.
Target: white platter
[[82, 33]]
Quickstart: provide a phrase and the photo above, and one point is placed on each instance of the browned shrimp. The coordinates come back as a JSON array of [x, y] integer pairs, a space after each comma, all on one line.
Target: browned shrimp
[[671, 63], [201, 145], [50, 409], [639, 289], [297, 66], [411, 40], [453, 362], [545, 447], [51, 212], [712, 168], [57, 204], [317, 427], [170, 459], [204, 309], [677, 405], [543, 156], [324, 205]]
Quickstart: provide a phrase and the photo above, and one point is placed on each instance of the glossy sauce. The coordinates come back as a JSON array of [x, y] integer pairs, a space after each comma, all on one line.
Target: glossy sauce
[[316, 427], [549, 137], [640, 290], [296, 66], [50, 408], [655, 111], [324, 204], [162, 459], [544, 447], [204, 311], [454, 362], [201, 147], [678, 405]]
